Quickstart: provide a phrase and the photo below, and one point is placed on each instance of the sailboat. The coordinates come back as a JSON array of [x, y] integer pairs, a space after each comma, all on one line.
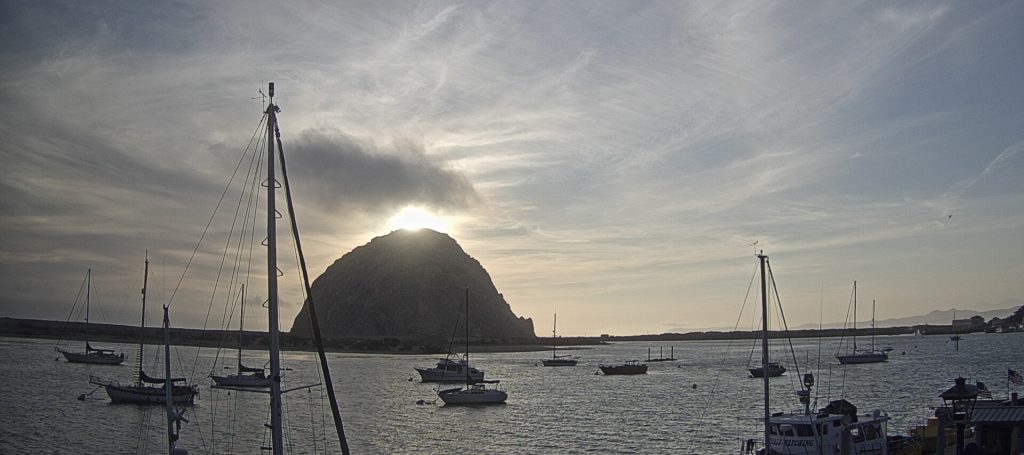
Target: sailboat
[[862, 355], [832, 428], [141, 391], [475, 392], [556, 360], [275, 153], [92, 355], [244, 376]]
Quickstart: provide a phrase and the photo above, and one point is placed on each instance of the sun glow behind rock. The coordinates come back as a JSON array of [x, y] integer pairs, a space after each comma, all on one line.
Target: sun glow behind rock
[[414, 218]]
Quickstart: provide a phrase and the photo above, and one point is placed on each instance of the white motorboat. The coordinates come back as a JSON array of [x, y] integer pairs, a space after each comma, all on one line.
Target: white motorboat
[[450, 370]]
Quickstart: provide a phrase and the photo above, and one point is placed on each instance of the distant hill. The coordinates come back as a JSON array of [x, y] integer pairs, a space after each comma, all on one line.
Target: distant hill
[[936, 317], [409, 284]]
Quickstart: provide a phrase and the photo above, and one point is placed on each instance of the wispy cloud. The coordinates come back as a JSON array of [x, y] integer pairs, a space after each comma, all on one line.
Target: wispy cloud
[[618, 159]]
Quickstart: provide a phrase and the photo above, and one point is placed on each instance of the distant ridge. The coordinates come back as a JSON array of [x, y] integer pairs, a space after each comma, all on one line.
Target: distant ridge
[[409, 284], [936, 317]]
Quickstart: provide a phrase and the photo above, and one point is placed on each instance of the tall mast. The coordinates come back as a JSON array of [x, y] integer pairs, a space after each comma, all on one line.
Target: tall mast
[[88, 291], [854, 316], [241, 321], [468, 380], [764, 348], [142, 325], [277, 434], [872, 325], [168, 385], [554, 337]]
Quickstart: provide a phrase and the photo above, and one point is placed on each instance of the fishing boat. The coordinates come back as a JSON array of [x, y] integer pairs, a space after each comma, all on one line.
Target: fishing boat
[[244, 376], [856, 355], [475, 392], [774, 369], [145, 390], [627, 367], [96, 356], [558, 360], [836, 428]]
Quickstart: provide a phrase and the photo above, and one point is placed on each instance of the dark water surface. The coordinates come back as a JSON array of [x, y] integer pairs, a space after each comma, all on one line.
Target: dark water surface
[[550, 410]]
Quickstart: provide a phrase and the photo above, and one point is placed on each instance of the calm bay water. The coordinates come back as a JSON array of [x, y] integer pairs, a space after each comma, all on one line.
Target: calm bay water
[[549, 410]]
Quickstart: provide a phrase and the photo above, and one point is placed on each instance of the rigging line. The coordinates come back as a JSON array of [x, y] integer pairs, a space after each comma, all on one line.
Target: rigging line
[[215, 209], [220, 268], [728, 347], [778, 301], [312, 421], [228, 316], [216, 285], [72, 312], [849, 307], [96, 298], [821, 319], [335, 412]]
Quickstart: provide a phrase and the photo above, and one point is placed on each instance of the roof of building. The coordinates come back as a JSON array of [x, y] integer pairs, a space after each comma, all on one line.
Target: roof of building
[[998, 414]]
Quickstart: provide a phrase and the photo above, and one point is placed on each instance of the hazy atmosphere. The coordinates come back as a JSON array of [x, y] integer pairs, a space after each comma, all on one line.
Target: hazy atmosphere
[[611, 161]]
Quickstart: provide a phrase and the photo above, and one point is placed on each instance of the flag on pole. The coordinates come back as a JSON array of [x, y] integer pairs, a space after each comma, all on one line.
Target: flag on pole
[[1014, 377], [983, 391]]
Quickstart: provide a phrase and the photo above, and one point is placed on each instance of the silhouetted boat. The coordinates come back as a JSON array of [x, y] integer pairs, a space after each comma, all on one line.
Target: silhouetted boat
[[627, 367], [141, 391], [862, 355], [775, 369], [92, 355], [475, 392], [244, 376], [449, 370], [558, 360]]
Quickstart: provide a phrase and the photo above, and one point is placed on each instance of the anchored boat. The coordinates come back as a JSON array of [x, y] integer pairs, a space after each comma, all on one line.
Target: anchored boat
[[475, 392], [145, 389], [92, 355], [862, 355]]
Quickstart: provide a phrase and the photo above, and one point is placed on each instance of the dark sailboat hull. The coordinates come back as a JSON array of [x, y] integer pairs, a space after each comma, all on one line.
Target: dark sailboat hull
[[149, 394], [853, 359], [610, 370], [95, 359], [559, 362]]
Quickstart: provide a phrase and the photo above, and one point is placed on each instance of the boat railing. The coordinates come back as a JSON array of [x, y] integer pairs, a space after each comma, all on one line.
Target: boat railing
[[751, 446]]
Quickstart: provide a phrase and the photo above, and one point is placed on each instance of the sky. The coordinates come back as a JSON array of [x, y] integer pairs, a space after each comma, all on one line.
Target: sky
[[610, 161]]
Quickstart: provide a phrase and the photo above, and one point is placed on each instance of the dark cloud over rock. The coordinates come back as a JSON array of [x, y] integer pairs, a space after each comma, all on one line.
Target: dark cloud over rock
[[337, 171]]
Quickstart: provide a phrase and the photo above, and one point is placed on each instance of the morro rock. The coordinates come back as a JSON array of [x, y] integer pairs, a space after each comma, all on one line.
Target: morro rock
[[409, 284]]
